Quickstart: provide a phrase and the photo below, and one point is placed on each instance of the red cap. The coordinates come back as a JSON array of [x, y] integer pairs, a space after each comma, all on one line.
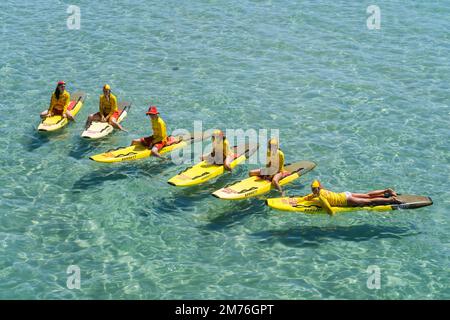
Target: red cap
[[152, 110], [61, 82]]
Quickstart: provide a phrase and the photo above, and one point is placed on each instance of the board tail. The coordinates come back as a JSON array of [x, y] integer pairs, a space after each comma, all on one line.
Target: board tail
[[79, 96]]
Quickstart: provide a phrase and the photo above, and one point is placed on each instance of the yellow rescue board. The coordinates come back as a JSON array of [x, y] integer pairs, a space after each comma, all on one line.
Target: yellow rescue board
[[297, 204], [57, 122], [140, 152], [205, 171], [256, 186]]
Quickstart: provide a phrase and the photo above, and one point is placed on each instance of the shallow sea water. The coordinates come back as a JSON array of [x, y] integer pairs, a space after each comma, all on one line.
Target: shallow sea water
[[370, 107]]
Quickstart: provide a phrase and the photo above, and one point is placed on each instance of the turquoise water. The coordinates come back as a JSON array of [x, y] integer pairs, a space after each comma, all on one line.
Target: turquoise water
[[370, 107]]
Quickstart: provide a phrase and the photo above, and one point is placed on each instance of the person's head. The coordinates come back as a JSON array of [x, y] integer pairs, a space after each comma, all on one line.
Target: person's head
[[217, 135], [316, 186], [152, 112], [106, 89], [60, 87], [272, 145]]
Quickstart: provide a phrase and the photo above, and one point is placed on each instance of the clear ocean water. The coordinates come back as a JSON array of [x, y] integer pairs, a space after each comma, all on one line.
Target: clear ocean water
[[370, 107]]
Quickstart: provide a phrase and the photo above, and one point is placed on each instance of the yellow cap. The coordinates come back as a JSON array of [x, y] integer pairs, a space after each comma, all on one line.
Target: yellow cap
[[106, 87], [218, 133], [273, 142], [315, 184]]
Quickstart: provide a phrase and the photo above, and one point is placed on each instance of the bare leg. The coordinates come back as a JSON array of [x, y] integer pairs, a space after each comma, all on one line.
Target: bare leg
[[275, 182], [374, 194], [255, 172], [380, 193], [44, 114], [135, 142], [156, 153], [227, 163], [88, 121], [69, 116], [116, 125], [361, 195], [175, 139], [359, 202], [92, 117]]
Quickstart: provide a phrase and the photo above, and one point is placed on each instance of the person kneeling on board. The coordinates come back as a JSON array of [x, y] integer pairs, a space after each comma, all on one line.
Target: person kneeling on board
[[108, 110], [274, 170], [58, 103], [331, 199], [221, 152], [158, 140]]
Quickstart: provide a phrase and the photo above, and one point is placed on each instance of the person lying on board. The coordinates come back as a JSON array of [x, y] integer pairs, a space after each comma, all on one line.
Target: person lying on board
[[158, 140], [274, 170], [331, 199], [58, 103], [108, 110], [221, 152]]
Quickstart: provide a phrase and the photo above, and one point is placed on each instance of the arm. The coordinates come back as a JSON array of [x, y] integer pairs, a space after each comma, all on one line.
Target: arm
[[163, 131], [326, 205], [309, 197], [113, 107], [228, 151], [209, 155], [66, 103], [50, 108], [271, 166], [205, 157], [281, 161], [100, 107]]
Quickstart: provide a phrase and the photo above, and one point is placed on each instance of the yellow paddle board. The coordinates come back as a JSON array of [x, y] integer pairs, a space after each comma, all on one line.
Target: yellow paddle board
[[57, 122], [136, 152], [256, 186], [297, 204], [205, 171]]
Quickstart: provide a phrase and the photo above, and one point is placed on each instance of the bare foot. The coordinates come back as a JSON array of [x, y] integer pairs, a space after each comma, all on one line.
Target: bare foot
[[396, 201], [391, 192]]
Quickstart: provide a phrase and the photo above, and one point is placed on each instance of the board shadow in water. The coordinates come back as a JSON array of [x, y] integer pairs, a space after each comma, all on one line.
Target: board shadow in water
[[313, 236], [234, 212], [183, 199], [187, 197], [36, 140], [84, 149], [116, 173]]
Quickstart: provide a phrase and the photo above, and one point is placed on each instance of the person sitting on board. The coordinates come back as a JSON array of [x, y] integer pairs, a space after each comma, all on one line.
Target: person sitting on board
[[274, 170], [108, 110], [331, 199], [59, 103], [220, 152], [158, 140]]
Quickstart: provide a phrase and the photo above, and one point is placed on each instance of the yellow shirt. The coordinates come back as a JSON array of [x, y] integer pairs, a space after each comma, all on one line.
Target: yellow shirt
[[274, 158], [221, 148], [108, 107], [60, 104], [159, 130], [333, 198]]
